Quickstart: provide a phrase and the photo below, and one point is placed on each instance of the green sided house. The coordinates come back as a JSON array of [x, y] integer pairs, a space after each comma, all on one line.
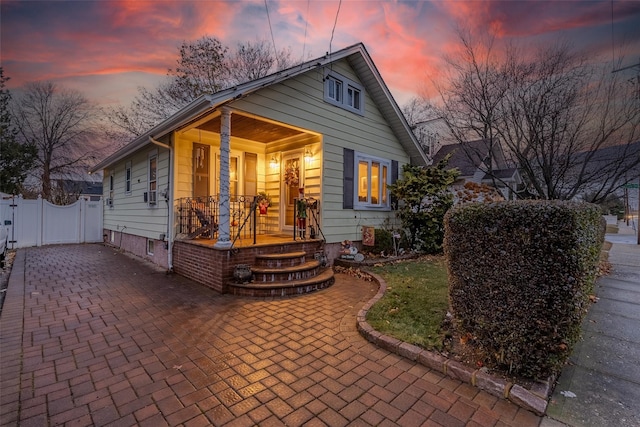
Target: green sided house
[[251, 190]]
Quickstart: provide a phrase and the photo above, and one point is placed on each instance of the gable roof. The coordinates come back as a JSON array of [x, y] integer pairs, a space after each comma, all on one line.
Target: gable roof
[[470, 158], [358, 58], [467, 161], [616, 157]]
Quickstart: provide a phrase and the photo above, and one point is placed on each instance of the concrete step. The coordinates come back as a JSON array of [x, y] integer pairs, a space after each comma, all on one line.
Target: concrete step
[[282, 274], [287, 259], [285, 288]]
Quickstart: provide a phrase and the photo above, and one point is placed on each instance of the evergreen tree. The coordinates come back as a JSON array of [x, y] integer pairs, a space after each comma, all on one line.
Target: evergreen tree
[[16, 159], [423, 198]]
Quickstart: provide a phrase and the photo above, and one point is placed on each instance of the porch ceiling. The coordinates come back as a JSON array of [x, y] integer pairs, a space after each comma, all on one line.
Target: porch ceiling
[[251, 128]]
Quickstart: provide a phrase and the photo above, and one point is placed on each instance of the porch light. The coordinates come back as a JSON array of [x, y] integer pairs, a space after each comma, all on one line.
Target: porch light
[[308, 155], [274, 162]]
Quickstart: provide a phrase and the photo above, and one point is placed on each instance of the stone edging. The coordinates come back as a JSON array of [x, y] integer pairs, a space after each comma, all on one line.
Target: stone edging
[[534, 399]]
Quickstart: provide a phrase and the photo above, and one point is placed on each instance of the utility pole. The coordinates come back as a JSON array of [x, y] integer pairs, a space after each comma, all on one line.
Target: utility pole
[[637, 83]]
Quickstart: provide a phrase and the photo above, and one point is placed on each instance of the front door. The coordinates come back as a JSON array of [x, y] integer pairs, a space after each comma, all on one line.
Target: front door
[[292, 182]]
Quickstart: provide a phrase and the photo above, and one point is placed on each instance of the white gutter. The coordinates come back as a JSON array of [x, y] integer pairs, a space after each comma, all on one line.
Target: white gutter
[[170, 204]]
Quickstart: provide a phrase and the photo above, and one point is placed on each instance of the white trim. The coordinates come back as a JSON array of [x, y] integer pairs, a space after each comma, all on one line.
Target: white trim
[[128, 179], [111, 189], [342, 99], [365, 181], [152, 194], [290, 155]]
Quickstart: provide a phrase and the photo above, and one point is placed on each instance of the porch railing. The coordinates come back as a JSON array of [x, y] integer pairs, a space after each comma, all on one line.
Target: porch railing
[[200, 217], [306, 212]]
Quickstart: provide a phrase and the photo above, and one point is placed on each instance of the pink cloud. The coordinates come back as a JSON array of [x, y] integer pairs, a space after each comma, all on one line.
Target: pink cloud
[[64, 40]]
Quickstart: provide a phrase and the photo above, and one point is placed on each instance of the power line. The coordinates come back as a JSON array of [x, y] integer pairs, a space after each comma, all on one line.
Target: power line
[[334, 25], [306, 24], [613, 46], [273, 40]]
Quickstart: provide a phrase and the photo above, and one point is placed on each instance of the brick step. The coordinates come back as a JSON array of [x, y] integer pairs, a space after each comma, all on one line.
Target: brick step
[[292, 287], [281, 274], [287, 259]]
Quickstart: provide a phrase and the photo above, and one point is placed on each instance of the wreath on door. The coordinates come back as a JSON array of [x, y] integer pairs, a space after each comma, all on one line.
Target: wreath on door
[[291, 175]]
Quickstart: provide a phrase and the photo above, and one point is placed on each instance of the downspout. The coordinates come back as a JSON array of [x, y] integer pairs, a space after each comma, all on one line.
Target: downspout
[[169, 198]]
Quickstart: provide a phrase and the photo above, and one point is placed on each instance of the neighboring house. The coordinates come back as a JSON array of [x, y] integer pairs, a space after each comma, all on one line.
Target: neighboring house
[[482, 163], [323, 140], [76, 187], [432, 134], [614, 169]]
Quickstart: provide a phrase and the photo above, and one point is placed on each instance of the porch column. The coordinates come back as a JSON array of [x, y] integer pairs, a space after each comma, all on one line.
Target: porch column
[[224, 229]]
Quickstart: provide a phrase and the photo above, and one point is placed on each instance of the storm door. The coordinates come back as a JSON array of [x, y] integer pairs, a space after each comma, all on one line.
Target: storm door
[[292, 182]]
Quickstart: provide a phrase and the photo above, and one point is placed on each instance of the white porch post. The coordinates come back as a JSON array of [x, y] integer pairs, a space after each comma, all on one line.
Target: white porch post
[[224, 230]]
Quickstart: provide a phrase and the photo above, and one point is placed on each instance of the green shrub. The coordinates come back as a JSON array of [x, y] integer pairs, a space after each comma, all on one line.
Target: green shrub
[[520, 276], [384, 242], [423, 198]]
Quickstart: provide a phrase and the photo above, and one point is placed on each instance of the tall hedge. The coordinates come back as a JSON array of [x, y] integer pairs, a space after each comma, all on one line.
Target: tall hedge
[[520, 276]]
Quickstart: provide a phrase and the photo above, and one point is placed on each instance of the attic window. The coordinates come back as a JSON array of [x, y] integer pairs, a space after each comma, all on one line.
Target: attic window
[[353, 97], [344, 93], [334, 89]]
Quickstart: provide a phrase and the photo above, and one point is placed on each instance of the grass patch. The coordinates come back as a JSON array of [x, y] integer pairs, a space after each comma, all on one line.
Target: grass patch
[[415, 303]]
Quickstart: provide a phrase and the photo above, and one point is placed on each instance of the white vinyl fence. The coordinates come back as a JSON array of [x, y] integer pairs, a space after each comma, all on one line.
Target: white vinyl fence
[[38, 222]]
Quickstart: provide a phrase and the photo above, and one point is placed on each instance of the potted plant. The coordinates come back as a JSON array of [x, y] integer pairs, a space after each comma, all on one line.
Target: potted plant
[[263, 201]]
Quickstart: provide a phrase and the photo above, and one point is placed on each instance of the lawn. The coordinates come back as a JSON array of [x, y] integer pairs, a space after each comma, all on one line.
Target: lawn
[[415, 303]]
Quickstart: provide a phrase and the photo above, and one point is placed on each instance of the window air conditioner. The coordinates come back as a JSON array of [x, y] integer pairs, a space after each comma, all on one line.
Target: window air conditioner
[[150, 197]]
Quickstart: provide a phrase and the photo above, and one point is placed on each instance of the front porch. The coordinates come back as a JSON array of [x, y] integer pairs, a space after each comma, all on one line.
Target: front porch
[[200, 261], [239, 175], [277, 262]]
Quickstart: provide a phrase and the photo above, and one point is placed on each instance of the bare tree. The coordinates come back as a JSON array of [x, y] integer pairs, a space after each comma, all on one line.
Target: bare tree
[[471, 100], [147, 109], [61, 124], [552, 110], [252, 61], [204, 66], [200, 69]]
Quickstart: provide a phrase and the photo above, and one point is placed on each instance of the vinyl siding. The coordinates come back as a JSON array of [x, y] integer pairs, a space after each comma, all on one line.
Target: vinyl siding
[[300, 102], [130, 212]]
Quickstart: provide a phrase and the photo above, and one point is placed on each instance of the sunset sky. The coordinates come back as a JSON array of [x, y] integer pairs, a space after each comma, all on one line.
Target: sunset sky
[[107, 48]]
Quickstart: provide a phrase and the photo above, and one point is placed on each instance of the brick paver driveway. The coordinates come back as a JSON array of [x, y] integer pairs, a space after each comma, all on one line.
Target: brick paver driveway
[[90, 336]]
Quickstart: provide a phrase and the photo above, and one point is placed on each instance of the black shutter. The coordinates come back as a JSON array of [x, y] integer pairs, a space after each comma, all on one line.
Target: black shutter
[[394, 178], [347, 179]]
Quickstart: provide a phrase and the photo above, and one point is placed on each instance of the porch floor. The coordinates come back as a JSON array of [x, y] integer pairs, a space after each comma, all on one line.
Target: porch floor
[[261, 240]]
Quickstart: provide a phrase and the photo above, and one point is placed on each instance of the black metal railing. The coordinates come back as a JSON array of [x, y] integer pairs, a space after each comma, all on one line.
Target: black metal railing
[[306, 212], [200, 217]]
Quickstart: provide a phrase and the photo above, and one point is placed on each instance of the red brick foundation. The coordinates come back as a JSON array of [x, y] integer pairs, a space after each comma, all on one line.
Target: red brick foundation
[[214, 267]]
